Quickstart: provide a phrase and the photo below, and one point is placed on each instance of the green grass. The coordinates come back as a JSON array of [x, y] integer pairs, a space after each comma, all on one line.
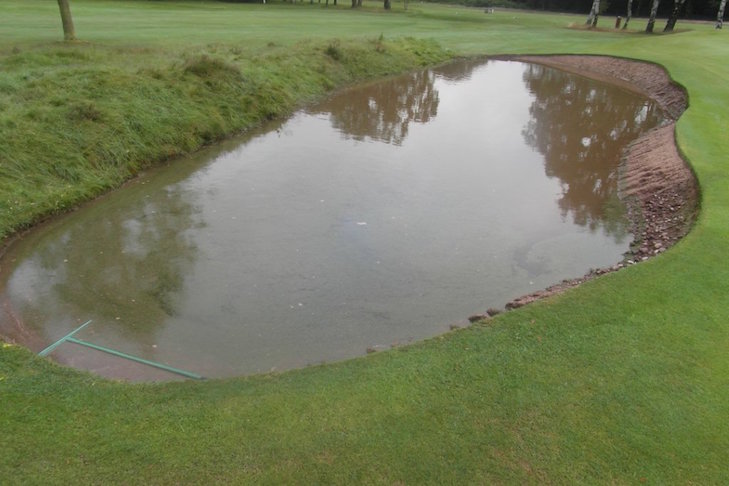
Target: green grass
[[623, 380]]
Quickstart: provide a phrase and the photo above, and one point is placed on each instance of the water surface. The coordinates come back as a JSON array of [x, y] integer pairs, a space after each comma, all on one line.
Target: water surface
[[381, 216]]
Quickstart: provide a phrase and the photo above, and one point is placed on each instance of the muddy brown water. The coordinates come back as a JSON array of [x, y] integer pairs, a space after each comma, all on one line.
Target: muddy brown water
[[379, 217]]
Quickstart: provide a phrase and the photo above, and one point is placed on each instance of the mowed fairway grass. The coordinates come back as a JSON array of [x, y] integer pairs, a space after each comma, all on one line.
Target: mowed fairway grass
[[624, 380]]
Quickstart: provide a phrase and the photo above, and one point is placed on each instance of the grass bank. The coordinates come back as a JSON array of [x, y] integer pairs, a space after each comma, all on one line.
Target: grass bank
[[623, 380]]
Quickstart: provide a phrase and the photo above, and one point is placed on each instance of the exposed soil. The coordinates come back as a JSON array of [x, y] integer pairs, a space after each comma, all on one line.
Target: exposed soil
[[655, 182]]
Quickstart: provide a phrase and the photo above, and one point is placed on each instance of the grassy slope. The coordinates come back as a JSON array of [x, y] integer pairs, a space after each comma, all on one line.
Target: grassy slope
[[623, 380]]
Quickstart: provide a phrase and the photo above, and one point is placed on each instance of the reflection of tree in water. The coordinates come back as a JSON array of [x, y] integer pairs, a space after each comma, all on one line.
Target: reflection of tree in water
[[581, 128], [125, 266], [459, 71], [383, 111]]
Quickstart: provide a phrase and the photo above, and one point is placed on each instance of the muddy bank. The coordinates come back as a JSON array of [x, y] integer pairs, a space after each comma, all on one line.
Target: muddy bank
[[656, 184]]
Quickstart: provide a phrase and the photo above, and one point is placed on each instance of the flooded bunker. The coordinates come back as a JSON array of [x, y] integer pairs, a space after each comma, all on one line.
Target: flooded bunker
[[384, 215]]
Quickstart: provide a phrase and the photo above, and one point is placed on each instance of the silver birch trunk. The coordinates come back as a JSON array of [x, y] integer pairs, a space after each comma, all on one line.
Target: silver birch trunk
[[629, 14], [677, 4], [69, 33], [652, 18], [594, 13], [720, 15]]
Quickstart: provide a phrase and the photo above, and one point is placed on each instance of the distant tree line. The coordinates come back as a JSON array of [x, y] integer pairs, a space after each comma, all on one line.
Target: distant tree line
[[700, 9], [671, 9]]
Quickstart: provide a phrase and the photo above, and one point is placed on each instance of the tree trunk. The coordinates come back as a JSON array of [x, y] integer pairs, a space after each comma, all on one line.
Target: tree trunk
[[69, 33], [652, 18], [388, 4], [677, 4], [629, 14], [594, 13], [720, 15]]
